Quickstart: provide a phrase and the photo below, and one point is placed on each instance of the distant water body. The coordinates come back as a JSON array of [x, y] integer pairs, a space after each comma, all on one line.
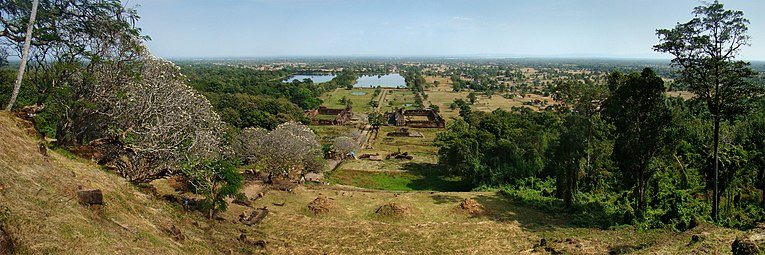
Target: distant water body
[[387, 81], [365, 81]]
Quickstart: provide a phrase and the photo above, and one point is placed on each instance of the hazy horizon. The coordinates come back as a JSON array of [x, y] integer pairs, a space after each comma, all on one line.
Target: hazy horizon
[[585, 29]]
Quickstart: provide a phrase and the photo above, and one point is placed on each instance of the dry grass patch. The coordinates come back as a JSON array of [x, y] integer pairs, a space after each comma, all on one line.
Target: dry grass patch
[[686, 95], [46, 218]]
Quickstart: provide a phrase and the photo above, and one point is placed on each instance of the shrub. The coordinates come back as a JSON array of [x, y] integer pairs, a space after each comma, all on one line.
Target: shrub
[[216, 181]]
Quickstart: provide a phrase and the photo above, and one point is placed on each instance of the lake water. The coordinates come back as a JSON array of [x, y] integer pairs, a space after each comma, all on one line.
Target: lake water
[[387, 81], [316, 78], [365, 81]]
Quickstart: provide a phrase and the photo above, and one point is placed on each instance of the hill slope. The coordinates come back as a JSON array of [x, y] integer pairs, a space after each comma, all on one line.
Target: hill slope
[[45, 216]]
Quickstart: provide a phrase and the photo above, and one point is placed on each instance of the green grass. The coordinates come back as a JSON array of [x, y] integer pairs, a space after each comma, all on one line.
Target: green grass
[[327, 133], [326, 117], [396, 98], [417, 176], [64, 152], [360, 103]]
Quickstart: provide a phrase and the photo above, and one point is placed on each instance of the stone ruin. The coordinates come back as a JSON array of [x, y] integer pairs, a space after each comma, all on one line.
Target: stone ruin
[[404, 132], [330, 117], [403, 117]]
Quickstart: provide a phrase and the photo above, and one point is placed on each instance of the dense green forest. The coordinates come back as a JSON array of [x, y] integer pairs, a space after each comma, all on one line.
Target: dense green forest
[[599, 146], [621, 152], [245, 97]]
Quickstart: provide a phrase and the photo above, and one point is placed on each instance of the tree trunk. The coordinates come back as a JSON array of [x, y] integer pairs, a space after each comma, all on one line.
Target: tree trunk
[[715, 195], [24, 57], [641, 193], [568, 194]]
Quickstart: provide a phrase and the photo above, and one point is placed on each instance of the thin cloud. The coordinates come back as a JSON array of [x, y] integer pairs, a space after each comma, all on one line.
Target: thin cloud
[[457, 18]]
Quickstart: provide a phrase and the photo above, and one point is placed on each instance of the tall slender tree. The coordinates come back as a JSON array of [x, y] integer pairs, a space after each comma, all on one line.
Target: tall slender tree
[[580, 103], [24, 57], [638, 110], [705, 48]]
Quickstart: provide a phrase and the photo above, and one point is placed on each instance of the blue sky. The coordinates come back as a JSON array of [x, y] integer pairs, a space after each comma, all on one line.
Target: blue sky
[[542, 28]]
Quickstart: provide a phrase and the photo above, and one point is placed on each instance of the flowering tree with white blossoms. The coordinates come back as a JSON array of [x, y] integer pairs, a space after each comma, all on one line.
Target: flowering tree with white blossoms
[[159, 122], [290, 149]]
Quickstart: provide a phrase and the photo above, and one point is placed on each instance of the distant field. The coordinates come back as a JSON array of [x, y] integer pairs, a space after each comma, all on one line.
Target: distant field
[[396, 98], [487, 104], [443, 96], [327, 133], [420, 173], [360, 103], [440, 95], [684, 94], [445, 83]]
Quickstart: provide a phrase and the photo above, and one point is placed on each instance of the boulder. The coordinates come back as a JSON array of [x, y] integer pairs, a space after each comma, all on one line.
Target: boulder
[[91, 197], [753, 242], [6, 243], [174, 231], [253, 217], [250, 241], [243, 201]]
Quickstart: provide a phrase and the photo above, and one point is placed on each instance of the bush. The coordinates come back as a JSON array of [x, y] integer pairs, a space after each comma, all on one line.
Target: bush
[[604, 210], [535, 193], [216, 181]]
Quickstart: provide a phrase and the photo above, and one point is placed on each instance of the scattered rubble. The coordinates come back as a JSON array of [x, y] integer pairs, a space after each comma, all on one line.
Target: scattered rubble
[[399, 155], [752, 242], [252, 242], [242, 200], [393, 209], [174, 231], [253, 217], [404, 132], [321, 205], [471, 207]]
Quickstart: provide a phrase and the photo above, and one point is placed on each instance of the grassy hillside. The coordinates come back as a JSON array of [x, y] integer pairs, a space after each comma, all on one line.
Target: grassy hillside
[[45, 217], [435, 223]]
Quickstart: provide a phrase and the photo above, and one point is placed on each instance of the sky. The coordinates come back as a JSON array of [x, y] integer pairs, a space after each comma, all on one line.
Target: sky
[[421, 28]]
